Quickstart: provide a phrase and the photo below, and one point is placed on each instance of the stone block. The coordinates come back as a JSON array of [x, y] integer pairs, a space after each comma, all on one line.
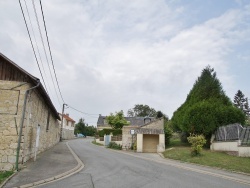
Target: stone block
[[13, 145], [6, 132], [4, 159], [8, 152], [12, 159], [8, 167]]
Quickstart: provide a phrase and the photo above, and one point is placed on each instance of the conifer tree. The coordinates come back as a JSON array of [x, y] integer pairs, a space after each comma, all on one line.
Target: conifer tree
[[206, 107], [241, 102]]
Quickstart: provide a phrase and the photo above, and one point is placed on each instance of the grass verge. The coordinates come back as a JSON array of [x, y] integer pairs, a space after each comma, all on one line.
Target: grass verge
[[210, 158], [98, 144], [5, 175]]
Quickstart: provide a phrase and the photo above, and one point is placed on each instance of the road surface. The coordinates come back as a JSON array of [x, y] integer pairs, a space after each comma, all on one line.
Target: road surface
[[105, 168]]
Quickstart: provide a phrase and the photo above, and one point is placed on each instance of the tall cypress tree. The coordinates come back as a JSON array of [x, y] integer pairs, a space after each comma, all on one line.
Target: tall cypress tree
[[206, 107]]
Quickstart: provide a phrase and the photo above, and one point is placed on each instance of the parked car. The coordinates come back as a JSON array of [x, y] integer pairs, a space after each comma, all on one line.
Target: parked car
[[80, 135]]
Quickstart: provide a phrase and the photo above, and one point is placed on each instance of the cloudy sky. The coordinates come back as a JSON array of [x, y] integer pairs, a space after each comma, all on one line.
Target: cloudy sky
[[111, 54]]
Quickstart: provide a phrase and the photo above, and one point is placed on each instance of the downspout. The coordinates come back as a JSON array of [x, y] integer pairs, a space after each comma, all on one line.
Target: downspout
[[22, 121]]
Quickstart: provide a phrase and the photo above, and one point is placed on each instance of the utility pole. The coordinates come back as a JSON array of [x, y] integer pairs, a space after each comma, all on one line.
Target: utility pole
[[62, 122]]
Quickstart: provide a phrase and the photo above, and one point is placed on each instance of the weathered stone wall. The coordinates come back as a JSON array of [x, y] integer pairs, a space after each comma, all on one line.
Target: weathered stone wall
[[127, 137], [67, 134], [156, 124], [36, 114]]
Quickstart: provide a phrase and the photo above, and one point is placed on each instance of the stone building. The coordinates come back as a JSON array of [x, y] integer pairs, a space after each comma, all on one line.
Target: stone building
[[133, 121], [148, 138], [68, 127], [28, 119], [145, 133]]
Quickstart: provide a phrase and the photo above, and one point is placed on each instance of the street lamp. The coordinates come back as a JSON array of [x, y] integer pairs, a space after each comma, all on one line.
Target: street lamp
[[62, 122]]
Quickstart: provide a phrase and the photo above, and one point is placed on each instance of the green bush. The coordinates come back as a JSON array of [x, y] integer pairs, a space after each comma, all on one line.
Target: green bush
[[134, 146], [197, 142], [114, 145], [168, 134]]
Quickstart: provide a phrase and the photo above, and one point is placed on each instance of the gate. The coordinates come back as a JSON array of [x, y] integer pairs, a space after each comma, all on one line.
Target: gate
[[107, 139]]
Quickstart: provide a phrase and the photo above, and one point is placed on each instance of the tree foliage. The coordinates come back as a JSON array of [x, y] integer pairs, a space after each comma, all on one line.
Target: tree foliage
[[84, 129], [242, 103], [160, 114], [117, 121], [206, 107], [141, 110]]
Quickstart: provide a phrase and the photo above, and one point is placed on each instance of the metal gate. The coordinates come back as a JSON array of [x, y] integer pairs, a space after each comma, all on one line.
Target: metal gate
[[107, 139]]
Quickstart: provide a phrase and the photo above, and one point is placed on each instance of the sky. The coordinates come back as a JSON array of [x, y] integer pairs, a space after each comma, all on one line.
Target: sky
[[110, 55]]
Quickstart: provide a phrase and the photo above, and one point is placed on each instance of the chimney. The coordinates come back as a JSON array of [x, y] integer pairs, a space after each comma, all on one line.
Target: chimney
[[67, 114]]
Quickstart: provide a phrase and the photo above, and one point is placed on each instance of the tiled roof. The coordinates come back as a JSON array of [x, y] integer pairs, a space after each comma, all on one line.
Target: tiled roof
[[136, 121], [65, 116]]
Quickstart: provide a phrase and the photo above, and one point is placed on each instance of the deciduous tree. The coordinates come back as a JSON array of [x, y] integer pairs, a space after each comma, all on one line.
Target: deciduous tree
[[117, 121], [141, 110]]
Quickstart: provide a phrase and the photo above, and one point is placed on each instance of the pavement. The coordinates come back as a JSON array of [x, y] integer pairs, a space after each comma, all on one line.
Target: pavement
[[54, 164]]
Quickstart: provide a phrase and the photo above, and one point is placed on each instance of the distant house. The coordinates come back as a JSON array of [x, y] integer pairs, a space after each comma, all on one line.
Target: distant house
[[146, 134], [28, 119], [67, 127], [133, 121]]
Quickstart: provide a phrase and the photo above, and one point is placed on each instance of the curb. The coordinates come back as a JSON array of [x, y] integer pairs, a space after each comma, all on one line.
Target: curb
[[5, 181], [66, 174]]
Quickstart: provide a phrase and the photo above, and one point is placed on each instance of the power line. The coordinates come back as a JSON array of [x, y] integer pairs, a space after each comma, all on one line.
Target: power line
[[39, 28], [92, 115], [36, 41], [50, 50], [32, 44]]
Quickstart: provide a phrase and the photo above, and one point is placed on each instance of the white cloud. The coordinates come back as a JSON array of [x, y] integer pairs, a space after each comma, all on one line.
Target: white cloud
[[112, 55]]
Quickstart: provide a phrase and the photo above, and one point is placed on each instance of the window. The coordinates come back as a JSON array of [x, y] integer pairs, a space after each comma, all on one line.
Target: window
[[47, 126]]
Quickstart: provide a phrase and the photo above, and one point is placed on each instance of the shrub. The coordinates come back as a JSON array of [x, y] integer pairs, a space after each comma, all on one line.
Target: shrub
[[134, 146], [114, 145], [115, 132], [168, 134], [197, 142]]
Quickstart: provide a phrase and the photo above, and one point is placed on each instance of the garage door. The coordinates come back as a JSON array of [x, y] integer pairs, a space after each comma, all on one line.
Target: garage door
[[150, 142]]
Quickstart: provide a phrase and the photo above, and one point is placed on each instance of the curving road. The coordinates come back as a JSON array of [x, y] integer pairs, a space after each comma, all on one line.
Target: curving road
[[105, 168]]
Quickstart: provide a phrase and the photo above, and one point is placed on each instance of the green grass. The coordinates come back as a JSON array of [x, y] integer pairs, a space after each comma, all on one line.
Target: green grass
[[5, 175], [210, 158], [176, 143], [98, 144]]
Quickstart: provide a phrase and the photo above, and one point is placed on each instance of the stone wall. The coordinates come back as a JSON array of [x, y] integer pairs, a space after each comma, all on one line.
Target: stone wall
[[36, 115], [127, 137], [156, 124]]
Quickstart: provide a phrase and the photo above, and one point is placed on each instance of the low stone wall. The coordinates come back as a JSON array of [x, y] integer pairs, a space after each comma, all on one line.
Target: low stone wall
[[67, 134], [243, 151], [224, 146]]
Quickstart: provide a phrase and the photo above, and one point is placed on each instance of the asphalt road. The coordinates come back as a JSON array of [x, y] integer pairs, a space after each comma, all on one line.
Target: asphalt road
[[105, 168]]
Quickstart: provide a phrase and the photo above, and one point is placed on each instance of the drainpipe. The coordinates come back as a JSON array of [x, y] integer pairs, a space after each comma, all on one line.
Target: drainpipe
[[22, 121]]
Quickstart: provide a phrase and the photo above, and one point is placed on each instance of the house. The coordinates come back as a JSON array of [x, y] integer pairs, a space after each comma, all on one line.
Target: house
[[145, 133], [232, 138], [133, 121], [28, 119], [68, 127]]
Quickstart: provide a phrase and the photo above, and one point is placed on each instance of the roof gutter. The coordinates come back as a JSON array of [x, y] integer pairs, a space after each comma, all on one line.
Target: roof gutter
[[22, 121]]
